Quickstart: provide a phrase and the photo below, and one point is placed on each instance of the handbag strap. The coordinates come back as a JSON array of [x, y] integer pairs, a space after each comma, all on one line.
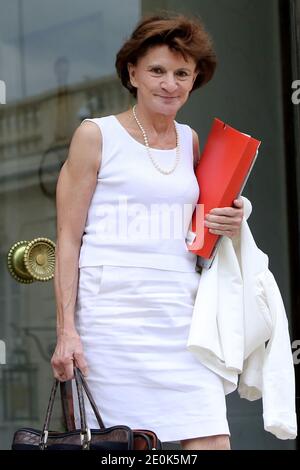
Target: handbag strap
[[84, 430], [67, 403], [80, 399], [50, 407], [66, 395], [91, 400]]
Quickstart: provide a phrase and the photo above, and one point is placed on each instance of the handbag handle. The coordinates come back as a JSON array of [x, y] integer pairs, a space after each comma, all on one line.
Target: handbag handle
[[85, 433], [68, 406], [91, 400]]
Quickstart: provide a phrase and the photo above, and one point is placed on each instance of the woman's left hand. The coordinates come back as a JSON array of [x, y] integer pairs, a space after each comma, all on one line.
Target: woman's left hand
[[226, 220]]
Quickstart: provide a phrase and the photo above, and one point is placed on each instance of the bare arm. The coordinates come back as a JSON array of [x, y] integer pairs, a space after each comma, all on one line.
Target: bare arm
[[196, 148], [75, 187]]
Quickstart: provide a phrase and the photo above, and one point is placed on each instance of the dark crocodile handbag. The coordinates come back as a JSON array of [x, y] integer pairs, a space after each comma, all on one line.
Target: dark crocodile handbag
[[119, 437]]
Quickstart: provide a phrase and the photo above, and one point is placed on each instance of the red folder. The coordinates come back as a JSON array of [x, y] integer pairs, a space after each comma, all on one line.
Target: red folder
[[222, 172]]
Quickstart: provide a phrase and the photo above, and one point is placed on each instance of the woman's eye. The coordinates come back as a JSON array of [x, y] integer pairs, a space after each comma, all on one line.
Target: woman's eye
[[159, 71]]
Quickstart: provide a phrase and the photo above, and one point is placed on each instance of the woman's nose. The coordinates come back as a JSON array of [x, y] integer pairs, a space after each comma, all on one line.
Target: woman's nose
[[169, 83]]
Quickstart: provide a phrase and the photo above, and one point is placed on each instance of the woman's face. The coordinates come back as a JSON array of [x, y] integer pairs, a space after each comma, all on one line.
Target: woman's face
[[163, 79]]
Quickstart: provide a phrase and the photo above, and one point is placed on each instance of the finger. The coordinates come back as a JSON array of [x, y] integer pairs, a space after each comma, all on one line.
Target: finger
[[225, 211], [81, 363], [58, 371], [228, 211], [59, 375], [227, 233], [64, 371], [238, 202], [222, 219], [223, 227], [69, 370]]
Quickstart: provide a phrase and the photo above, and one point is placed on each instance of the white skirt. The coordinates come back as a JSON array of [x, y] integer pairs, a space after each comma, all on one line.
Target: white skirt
[[134, 324]]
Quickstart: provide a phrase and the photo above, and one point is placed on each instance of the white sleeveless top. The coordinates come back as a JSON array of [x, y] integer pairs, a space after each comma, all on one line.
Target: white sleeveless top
[[137, 215]]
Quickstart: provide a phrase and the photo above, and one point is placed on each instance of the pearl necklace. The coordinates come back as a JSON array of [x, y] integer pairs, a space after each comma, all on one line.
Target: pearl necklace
[[161, 170]]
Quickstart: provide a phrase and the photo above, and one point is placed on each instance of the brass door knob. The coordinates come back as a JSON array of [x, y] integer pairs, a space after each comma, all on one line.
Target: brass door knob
[[30, 261]]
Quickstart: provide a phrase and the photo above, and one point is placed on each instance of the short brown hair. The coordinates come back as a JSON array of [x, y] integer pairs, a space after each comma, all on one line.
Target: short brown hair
[[181, 33]]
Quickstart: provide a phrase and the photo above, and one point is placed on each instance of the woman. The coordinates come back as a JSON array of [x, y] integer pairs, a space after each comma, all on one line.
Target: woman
[[125, 298]]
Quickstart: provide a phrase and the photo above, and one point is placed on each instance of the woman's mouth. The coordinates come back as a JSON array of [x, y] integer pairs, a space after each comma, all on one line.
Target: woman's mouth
[[170, 98]]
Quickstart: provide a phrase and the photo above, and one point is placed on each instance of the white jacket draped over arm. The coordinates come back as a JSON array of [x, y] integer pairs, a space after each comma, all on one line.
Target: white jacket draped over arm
[[238, 309]]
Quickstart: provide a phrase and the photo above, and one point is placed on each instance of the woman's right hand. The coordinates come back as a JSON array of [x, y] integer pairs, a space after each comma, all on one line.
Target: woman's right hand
[[68, 352]]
